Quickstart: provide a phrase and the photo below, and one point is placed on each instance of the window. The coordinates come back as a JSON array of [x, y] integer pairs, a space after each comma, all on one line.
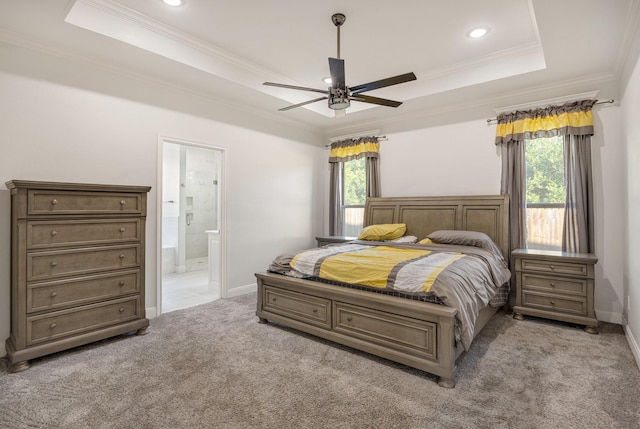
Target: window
[[545, 192], [354, 196]]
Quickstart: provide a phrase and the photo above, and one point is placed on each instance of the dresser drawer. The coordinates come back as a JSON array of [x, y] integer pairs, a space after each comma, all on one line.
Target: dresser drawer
[[47, 234], [43, 202], [304, 308], [558, 285], [61, 263], [573, 269], [82, 290], [414, 337], [81, 319], [558, 304]]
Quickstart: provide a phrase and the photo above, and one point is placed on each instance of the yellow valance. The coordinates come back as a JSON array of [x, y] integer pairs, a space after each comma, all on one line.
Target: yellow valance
[[574, 118], [346, 150]]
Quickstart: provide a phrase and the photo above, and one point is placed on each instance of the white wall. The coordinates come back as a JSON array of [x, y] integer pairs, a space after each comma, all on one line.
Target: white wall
[[631, 139], [60, 129], [461, 159]]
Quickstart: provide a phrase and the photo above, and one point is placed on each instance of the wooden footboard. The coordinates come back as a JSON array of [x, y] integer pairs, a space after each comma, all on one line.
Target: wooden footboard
[[420, 335]]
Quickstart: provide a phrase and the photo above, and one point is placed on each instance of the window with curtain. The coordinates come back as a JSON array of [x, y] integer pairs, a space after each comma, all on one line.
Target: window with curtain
[[544, 192], [354, 177], [523, 137]]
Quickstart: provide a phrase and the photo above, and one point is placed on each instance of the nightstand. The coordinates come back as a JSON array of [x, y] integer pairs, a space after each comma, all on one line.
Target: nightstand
[[555, 285], [331, 239]]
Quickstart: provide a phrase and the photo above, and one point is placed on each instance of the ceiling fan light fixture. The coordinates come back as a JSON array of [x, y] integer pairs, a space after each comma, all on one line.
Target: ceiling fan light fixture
[[327, 80], [478, 32]]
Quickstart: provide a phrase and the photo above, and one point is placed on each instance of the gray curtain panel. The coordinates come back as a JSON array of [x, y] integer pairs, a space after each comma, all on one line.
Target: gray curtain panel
[[335, 199]]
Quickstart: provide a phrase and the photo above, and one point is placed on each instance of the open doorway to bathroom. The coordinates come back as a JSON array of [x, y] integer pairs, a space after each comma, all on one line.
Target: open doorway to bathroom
[[191, 256]]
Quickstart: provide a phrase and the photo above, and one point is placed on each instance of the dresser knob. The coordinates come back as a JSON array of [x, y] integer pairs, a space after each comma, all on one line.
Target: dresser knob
[[122, 202], [53, 325], [121, 309], [273, 299], [53, 294], [349, 319], [552, 284], [121, 256], [121, 229], [54, 233], [54, 202], [552, 267], [121, 283], [54, 263], [315, 310], [552, 302]]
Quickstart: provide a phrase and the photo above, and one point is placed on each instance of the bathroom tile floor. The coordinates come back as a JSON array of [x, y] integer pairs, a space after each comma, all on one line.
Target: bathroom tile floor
[[183, 290]]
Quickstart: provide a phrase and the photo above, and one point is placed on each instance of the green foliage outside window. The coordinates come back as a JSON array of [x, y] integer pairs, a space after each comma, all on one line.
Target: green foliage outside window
[[355, 185], [544, 160]]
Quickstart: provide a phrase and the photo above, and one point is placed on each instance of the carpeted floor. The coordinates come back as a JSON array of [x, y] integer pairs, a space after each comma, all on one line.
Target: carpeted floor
[[214, 366]]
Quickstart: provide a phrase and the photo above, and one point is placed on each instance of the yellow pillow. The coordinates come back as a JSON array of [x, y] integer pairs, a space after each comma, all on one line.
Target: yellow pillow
[[427, 241], [385, 231]]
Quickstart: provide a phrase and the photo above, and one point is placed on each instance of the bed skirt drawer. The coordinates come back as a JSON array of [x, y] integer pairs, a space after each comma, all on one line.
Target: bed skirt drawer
[[411, 336], [305, 308], [78, 320], [559, 304]]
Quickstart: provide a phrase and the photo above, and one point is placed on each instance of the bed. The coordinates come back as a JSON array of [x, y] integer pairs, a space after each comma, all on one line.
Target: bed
[[422, 335]]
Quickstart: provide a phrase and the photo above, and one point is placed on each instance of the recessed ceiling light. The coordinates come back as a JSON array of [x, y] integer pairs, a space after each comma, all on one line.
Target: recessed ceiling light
[[174, 2], [478, 32], [327, 80]]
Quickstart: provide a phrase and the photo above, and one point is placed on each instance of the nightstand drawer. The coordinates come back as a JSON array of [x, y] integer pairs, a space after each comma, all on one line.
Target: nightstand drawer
[[577, 306], [572, 269], [558, 285]]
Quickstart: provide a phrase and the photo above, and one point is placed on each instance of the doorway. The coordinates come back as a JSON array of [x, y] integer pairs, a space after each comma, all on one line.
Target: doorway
[[191, 256]]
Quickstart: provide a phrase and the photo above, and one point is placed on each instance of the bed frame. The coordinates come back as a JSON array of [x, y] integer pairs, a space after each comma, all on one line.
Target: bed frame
[[418, 334]]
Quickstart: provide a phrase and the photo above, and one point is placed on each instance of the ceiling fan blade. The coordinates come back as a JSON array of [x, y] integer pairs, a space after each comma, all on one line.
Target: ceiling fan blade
[[336, 68], [383, 82], [375, 100], [301, 88], [302, 104]]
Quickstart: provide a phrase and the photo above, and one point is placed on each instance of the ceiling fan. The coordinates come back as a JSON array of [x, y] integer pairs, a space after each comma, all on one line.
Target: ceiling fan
[[339, 94]]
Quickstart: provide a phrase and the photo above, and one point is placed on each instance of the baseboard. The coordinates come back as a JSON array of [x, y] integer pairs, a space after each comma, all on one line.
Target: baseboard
[[3, 350], [609, 317], [631, 339], [242, 290]]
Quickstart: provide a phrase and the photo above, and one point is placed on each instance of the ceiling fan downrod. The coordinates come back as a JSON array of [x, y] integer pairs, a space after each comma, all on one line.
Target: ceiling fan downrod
[[338, 19]]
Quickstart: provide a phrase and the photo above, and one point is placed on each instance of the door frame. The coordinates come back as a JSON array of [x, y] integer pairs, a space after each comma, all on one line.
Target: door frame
[[222, 219]]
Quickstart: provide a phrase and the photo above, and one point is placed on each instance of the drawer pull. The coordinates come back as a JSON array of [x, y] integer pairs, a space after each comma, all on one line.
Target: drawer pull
[[121, 283], [121, 256], [273, 299], [54, 263], [53, 294], [54, 202], [552, 284], [121, 309], [121, 229], [315, 310], [552, 302], [53, 325], [552, 267], [122, 202], [54, 233], [349, 319]]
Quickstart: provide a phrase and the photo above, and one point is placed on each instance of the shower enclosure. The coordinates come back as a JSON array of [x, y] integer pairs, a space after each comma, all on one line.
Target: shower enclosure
[[190, 205]]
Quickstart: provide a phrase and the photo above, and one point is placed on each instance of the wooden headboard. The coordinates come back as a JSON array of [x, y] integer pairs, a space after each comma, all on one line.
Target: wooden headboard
[[423, 215]]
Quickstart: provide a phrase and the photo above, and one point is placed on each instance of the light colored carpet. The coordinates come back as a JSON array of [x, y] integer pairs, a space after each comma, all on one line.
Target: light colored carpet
[[214, 366]]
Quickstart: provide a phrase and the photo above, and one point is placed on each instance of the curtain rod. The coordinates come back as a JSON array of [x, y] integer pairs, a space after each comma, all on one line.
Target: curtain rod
[[611, 100], [380, 138]]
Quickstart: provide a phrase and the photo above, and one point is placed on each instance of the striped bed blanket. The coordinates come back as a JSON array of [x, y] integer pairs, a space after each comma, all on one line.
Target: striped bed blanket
[[463, 277]]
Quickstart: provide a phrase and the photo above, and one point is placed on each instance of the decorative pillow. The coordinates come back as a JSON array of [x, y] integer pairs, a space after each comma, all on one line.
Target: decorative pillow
[[427, 241], [385, 231], [465, 238], [410, 239]]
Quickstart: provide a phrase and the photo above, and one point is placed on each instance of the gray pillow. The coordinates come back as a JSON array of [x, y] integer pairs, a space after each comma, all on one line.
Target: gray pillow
[[465, 238]]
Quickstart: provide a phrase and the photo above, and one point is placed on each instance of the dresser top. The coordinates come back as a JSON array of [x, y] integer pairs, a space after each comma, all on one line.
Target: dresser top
[[30, 184]]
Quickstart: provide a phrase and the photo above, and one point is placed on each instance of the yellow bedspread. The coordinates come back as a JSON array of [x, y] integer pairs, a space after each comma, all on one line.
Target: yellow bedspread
[[405, 269]]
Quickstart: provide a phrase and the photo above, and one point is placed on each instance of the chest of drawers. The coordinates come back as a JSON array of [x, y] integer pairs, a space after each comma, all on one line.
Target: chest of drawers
[[77, 266], [555, 285]]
